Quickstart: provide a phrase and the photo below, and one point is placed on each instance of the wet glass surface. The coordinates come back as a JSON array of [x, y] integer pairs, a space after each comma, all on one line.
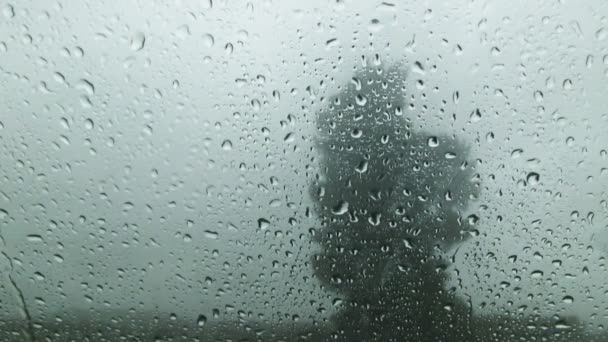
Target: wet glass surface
[[303, 171]]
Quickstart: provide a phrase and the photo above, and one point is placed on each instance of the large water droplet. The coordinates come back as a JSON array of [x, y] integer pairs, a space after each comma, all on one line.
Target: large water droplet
[[208, 40], [340, 208], [227, 145], [433, 142], [263, 223], [533, 178], [138, 41], [201, 320]]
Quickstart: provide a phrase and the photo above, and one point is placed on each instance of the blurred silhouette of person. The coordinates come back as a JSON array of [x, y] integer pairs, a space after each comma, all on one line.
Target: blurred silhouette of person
[[391, 202]]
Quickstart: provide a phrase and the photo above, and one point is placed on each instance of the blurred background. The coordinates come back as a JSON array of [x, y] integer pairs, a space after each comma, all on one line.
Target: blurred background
[[156, 157]]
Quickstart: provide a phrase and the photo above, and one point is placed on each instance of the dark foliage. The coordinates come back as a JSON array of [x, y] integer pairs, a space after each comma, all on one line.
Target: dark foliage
[[393, 200]]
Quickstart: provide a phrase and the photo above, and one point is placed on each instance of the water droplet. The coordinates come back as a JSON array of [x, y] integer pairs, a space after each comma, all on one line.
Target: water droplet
[[331, 43], [8, 11], [208, 40], [138, 41], [568, 299], [289, 138], [562, 325], [356, 133], [537, 274], [34, 238], [182, 32], [589, 61], [601, 34], [362, 167], [86, 86], [475, 115], [473, 219], [201, 320], [263, 223], [533, 178], [433, 141], [418, 68], [490, 137], [209, 234], [227, 145], [64, 123], [361, 100], [340, 209], [229, 48], [375, 25], [516, 153]]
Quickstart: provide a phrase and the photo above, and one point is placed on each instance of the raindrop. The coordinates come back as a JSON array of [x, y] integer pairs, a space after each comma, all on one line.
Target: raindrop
[[356, 133], [201, 320], [227, 145], [263, 223], [229, 48], [340, 209], [209, 234], [490, 137], [533, 178], [568, 299], [183, 32], [34, 238], [601, 34], [516, 153], [86, 86], [475, 115], [361, 100], [137, 41], [8, 11], [432, 141], [208, 40], [537, 274], [450, 155], [362, 167], [375, 25], [289, 138], [418, 68], [589, 61], [473, 219]]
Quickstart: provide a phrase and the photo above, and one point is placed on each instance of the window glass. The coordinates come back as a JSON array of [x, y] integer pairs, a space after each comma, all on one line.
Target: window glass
[[303, 171]]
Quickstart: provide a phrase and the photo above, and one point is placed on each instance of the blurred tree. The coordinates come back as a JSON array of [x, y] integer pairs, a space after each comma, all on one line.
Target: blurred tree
[[391, 201]]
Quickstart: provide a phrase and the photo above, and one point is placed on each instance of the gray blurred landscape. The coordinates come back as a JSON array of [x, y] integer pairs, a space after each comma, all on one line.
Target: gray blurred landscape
[[179, 170]]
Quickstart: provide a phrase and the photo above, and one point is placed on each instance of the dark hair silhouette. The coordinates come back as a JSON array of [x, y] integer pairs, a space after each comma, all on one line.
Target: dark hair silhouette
[[391, 201]]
